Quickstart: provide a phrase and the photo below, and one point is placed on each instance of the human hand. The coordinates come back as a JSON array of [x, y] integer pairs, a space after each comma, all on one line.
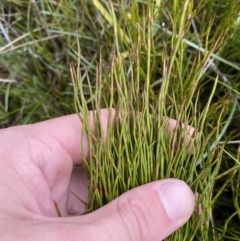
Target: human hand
[[37, 170]]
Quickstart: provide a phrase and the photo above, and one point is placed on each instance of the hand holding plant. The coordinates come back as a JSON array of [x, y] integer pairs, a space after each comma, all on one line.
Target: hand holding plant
[[37, 176]]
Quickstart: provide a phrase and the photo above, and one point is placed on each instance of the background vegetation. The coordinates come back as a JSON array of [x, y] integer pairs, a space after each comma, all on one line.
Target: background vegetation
[[149, 60]]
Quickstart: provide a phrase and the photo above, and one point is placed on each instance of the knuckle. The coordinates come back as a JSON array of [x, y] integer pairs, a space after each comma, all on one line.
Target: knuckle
[[134, 218]]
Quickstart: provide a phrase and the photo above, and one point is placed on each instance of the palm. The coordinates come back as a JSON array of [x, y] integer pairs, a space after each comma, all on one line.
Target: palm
[[41, 170]]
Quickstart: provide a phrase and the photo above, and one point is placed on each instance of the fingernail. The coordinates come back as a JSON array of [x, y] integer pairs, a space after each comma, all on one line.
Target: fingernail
[[177, 199]]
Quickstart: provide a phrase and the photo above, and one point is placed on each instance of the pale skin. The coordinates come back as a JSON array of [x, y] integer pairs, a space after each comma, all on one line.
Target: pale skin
[[37, 170]]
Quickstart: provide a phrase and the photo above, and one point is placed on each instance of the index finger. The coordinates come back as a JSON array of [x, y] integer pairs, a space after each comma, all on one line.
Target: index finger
[[67, 130]]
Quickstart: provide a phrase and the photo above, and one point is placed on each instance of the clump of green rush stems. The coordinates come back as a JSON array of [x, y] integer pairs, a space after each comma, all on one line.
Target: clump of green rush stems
[[156, 71], [147, 61]]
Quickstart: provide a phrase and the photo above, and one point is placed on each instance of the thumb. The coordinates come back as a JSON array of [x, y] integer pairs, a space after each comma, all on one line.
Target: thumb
[[148, 213]]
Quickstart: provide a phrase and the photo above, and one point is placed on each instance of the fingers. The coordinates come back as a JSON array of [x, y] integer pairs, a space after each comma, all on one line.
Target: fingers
[[67, 130], [186, 133]]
